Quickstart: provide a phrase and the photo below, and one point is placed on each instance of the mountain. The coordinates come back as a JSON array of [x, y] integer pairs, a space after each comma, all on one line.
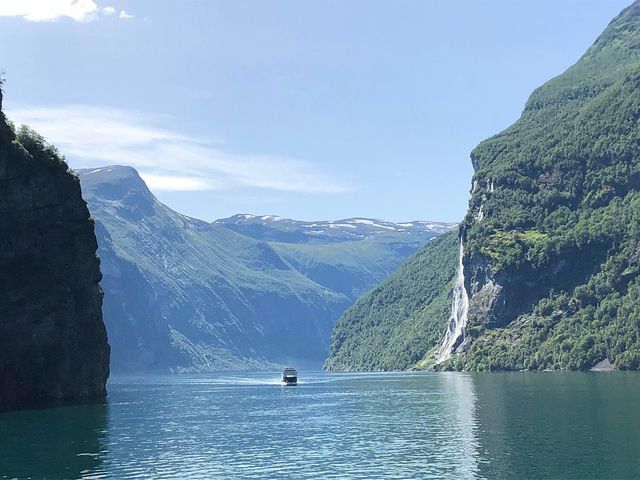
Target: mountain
[[349, 256], [550, 258], [186, 295], [393, 325], [53, 343], [277, 229]]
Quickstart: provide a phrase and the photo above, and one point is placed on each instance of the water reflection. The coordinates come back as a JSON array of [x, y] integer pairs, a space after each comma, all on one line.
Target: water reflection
[[331, 426], [438, 425], [62, 442], [461, 388], [559, 425]]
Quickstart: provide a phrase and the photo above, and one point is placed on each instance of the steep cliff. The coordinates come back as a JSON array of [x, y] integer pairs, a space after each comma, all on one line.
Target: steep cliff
[[550, 258], [552, 233], [53, 343]]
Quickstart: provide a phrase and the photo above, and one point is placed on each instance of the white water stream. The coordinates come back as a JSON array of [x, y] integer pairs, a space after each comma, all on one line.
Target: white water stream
[[458, 318]]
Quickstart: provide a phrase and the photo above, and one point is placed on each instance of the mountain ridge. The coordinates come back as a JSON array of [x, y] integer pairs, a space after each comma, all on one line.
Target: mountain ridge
[[188, 272], [348, 229]]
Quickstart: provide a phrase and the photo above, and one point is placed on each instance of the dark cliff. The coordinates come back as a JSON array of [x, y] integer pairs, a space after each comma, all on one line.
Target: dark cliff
[[53, 343]]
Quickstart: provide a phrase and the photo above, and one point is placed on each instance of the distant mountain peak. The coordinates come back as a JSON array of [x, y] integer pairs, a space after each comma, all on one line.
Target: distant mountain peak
[[112, 174], [280, 229], [120, 187], [111, 168]]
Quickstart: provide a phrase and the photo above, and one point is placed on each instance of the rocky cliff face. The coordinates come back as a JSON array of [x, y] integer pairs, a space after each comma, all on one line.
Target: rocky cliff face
[[552, 225], [53, 343], [550, 261]]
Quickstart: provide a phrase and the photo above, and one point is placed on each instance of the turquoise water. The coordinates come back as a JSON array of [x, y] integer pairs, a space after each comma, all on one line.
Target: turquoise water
[[434, 425]]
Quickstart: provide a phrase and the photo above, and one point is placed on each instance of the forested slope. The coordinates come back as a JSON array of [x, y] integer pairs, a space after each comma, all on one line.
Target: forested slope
[[551, 257]]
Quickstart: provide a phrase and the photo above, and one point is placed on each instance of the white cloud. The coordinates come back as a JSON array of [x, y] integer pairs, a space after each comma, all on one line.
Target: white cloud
[[174, 183], [96, 136], [50, 10]]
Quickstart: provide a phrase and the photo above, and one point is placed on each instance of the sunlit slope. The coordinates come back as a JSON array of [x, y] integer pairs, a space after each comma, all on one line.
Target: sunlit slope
[[397, 323], [181, 293], [551, 239], [552, 263]]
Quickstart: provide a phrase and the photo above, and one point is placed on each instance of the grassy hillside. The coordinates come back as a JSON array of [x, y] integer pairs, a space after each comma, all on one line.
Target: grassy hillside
[[394, 326], [182, 294], [348, 256]]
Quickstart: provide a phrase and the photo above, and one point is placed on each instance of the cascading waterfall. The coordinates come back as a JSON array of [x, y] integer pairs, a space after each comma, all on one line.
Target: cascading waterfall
[[458, 319]]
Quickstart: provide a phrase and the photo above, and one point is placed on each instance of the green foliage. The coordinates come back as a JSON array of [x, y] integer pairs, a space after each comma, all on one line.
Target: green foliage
[[396, 324], [351, 268], [555, 211], [37, 147], [513, 248], [563, 216], [183, 294]]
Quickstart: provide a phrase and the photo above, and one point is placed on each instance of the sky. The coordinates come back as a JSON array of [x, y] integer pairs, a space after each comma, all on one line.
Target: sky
[[312, 110]]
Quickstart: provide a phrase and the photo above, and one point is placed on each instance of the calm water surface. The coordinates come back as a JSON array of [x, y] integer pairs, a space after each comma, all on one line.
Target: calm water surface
[[435, 425]]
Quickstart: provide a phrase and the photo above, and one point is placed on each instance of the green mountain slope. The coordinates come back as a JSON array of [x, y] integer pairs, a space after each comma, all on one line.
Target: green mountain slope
[[551, 239], [183, 294], [394, 326], [552, 261], [348, 256]]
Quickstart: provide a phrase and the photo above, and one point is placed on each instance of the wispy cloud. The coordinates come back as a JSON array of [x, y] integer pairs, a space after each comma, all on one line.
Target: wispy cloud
[[174, 183], [94, 136], [51, 10]]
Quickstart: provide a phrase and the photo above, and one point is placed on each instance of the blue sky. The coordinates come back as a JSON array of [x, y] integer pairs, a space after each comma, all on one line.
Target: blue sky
[[309, 110]]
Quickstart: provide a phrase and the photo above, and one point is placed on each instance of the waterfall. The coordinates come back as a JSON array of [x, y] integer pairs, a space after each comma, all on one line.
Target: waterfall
[[458, 318]]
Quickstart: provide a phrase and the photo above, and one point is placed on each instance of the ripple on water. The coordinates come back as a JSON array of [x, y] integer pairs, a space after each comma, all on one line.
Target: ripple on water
[[332, 426], [361, 426]]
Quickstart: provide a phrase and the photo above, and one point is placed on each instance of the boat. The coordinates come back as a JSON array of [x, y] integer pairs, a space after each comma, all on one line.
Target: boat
[[290, 376]]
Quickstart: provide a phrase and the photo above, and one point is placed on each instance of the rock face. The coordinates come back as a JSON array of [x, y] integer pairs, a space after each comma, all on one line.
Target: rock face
[[551, 263], [53, 343], [552, 228]]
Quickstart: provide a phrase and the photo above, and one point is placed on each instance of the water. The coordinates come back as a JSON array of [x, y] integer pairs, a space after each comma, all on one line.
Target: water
[[433, 425], [458, 319]]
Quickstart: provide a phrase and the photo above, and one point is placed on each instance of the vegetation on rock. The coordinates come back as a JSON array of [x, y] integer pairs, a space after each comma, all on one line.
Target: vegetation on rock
[[552, 235], [560, 197], [186, 295]]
